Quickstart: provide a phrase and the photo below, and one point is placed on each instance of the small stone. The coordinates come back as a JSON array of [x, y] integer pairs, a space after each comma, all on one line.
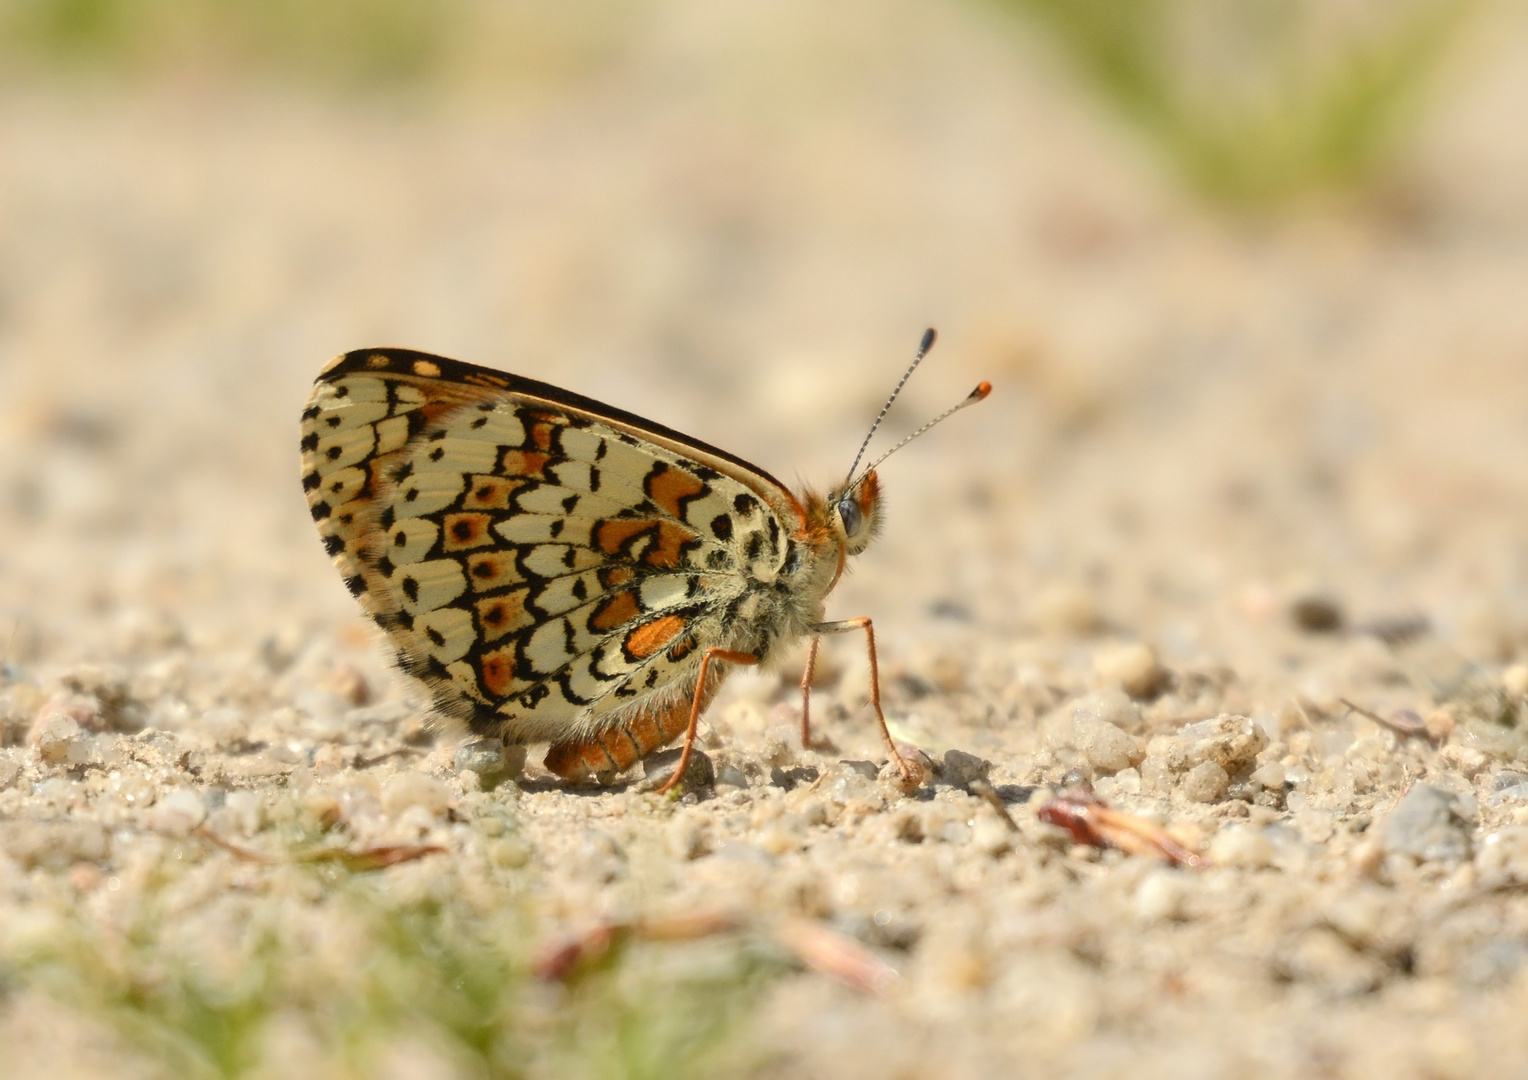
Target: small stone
[[991, 836], [1134, 668], [1109, 706], [1426, 824], [405, 790], [1503, 856], [1439, 725], [1246, 848], [1230, 741], [511, 853], [490, 760], [177, 813], [1206, 782], [1515, 680], [1269, 777], [956, 833], [1066, 609], [349, 684], [1323, 958], [10, 769], [323, 809], [1105, 747], [246, 810], [54, 845], [657, 769], [688, 839], [1315, 826], [1161, 896], [56, 734], [962, 769], [729, 775], [778, 840], [867, 769], [1316, 614]]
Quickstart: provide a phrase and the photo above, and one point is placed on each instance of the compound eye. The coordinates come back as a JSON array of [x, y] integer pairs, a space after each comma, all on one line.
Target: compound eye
[[849, 514]]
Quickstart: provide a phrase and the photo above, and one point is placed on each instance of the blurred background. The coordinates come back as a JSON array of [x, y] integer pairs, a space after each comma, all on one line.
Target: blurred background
[[1248, 279]]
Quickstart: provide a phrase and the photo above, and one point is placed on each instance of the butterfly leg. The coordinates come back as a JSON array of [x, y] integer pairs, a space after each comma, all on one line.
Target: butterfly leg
[[806, 692], [699, 703], [863, 623]]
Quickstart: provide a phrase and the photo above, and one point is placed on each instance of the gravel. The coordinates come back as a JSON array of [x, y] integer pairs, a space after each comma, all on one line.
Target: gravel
[[1104, 575]]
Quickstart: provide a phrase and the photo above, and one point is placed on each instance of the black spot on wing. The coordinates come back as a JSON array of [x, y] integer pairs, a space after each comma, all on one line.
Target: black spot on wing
[[721, 527]]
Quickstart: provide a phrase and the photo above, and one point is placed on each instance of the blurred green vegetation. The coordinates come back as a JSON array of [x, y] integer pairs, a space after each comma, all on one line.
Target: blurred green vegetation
[[1260, 102], [362, 43], [332, 969], [1252, 102]]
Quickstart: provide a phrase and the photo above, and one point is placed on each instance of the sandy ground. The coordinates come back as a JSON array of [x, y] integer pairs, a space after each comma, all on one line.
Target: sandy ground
[[1201, 430]]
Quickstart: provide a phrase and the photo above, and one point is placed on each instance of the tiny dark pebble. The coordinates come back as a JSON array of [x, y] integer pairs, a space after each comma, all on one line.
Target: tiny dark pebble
[[789, 778], [1316, 614], [868, 769], [699, 775], [954, 610]]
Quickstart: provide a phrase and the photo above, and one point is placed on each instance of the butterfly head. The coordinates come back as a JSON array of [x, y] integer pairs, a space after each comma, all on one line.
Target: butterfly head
[[853, 511], [855, 515]]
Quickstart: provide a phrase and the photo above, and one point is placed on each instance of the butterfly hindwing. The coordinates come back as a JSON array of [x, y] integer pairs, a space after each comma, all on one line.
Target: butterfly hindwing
[[544, 563]]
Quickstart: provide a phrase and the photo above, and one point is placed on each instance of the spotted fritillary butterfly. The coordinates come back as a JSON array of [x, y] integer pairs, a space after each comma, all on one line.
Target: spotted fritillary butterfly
[[557, 570]]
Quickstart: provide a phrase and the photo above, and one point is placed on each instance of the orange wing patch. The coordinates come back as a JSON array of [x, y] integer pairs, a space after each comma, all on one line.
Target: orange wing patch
[[656, 543], [652, 636], [618, 610], [500, 615], [492, 570], [670, 487], [522, 463], [489, 493], [497, 670], [464, 531]]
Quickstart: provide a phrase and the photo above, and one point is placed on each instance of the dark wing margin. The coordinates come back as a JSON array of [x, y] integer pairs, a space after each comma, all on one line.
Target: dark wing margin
[[412, 362]]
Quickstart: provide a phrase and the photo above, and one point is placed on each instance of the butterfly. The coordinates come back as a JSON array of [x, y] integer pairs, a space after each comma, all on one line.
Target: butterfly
[[558, 570]]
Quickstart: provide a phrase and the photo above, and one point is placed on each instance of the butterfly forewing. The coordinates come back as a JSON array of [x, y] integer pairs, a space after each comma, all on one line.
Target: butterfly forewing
[[544, 563]]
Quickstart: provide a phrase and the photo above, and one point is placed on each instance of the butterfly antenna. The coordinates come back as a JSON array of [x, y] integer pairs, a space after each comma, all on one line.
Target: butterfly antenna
[[983, 388], [929, 337]]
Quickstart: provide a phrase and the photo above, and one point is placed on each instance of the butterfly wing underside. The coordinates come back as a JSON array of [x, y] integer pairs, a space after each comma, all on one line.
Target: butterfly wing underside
[[550, 567]]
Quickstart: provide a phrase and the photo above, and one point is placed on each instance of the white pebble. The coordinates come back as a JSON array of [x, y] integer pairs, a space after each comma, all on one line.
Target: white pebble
[[1206, 782], [1134, 668], [1242, 847], [1161, 896], [177, 813], [406, 789], [1515, 680]]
